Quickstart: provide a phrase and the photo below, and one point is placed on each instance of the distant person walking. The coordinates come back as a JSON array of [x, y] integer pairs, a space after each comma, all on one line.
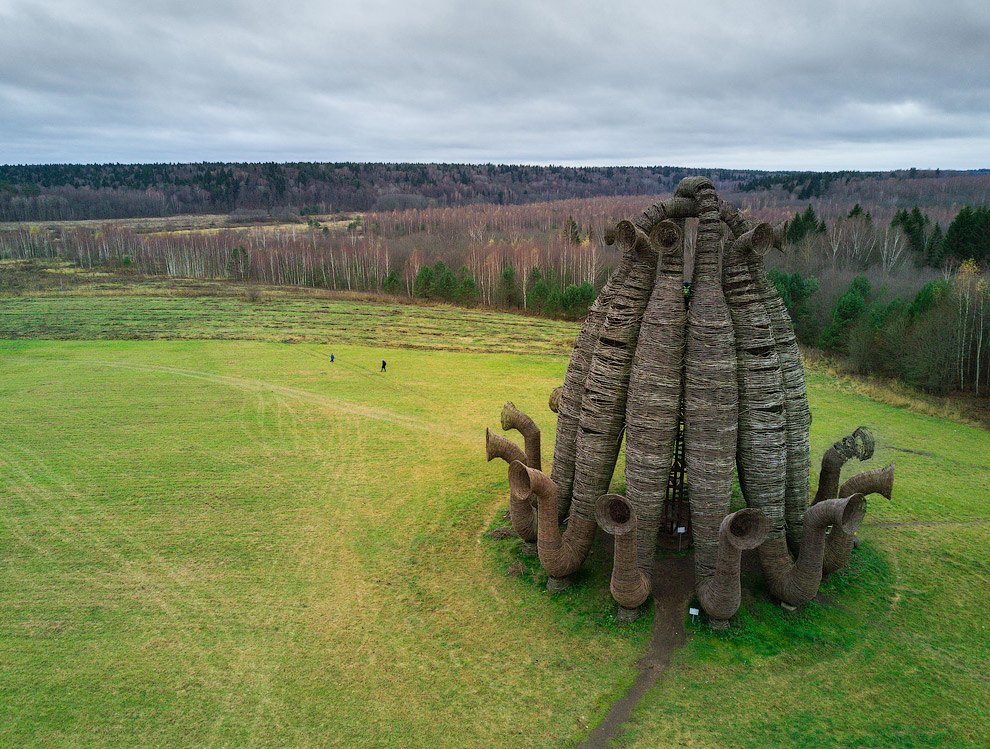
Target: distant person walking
[[331, 358], [383, 365]]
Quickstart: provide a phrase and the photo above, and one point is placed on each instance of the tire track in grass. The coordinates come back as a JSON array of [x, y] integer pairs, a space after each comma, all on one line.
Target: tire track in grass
[[155, 578]]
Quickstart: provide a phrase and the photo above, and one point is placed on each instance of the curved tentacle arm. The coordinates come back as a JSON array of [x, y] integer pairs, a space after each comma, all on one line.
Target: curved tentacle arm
[[839, 545], [497, 446], [521, 512], [560, 553], [877, 481], [677, 207], [797, 582], [720, 593], [630, 586], [513, 418], [859, 444]]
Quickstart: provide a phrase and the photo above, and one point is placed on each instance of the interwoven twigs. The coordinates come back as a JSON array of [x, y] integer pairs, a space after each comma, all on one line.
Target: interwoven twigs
[[860, 444], [762, 447], [674, 208], [797, 415], [878, 481], [513, 418], [720, 594], [606, 387], [655, 387], [797, 582], [630, 586], [733, 217], [560, 554], [710, 390], [569, 403], [522, 513], [732, 365], [840, 541]]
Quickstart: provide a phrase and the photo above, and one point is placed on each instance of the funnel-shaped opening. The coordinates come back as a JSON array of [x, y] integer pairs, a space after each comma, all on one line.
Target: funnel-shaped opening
[[625, 232], [747, 528], [490, 444], [853, 513], [762, 239], [666, 236], [886, 486], [519, 480], [614, 513], [510, 416], [863, 443]]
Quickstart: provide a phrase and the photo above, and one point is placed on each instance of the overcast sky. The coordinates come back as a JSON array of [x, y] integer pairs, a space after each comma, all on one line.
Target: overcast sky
[[772, 85]]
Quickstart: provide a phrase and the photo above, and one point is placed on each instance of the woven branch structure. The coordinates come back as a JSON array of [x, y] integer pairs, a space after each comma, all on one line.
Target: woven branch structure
[[728, 364]]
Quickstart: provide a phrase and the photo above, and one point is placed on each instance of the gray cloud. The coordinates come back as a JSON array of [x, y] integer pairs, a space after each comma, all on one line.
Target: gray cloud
[[771, 84]]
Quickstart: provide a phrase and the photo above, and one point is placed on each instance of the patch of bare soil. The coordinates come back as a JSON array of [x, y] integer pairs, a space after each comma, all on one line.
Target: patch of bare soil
[[673, 585]]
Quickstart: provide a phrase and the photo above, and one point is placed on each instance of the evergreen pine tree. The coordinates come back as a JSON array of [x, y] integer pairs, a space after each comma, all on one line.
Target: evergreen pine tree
[[423, 285]]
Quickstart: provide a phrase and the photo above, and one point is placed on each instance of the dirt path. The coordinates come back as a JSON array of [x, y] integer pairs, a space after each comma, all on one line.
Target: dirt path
[[673, 581]]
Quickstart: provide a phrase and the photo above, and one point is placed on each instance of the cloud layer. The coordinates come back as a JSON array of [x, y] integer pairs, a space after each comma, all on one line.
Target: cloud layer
[[773, 84]]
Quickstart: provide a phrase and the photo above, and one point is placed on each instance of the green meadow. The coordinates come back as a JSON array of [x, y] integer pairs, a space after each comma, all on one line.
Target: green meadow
[[211, 535]]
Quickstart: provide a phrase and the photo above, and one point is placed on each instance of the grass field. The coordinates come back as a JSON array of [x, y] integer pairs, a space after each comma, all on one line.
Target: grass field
[[235, 542]]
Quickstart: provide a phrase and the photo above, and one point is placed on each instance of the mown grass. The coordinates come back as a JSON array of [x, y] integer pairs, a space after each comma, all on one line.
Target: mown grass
[[232, 542], [218, 541], [65, 303]]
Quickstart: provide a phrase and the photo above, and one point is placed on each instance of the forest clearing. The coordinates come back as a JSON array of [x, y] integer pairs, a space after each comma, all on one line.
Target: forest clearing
[[239, 528]]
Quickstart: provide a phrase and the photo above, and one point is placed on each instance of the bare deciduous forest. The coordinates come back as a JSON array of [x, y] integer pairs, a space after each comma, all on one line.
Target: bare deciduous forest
[[886, 271]]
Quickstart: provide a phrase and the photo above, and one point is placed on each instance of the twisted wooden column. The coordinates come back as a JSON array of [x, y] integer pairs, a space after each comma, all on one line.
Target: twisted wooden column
[[655, 388], [603, 407], [569, 400], [711, 416], [797, 415]]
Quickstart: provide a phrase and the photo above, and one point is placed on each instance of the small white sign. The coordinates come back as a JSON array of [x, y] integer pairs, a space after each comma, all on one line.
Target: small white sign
[[681, 529], [693, 612]]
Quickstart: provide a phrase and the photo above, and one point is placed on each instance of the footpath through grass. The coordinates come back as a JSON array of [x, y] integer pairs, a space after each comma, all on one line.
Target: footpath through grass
[[238, 542]]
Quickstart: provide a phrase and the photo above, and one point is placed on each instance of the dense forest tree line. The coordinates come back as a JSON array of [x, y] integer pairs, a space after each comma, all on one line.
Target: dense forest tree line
[[917, 306], [898, 189], [937, 340], [548, 258], [56, 192], [859, 281], [50, 192]]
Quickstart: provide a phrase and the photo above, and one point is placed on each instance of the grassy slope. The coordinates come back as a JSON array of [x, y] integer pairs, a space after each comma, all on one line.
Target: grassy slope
[[900, 655], [231, 541], [222, 541]]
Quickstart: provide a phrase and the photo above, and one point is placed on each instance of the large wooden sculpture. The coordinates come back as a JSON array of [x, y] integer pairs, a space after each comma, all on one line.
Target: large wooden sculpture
[[729, 363]]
